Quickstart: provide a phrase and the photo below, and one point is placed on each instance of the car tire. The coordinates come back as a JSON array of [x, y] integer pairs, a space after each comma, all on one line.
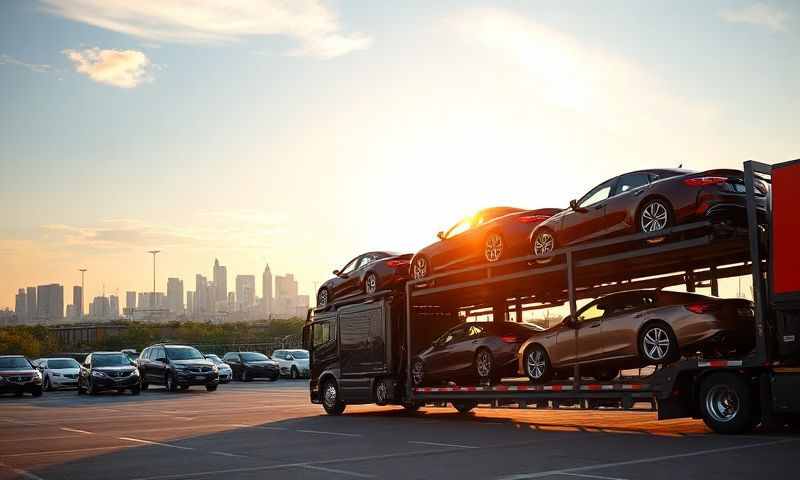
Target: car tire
[[274, 378], [144, 385], [211, 388], [657, 344], [331, 401], [136, 391], [323, 297], [37, 392], [80, 389], [246, 376], [483, 365], [544, 242], [726, 403], [169, 382], [91, 390], [654, 214], [19, 394], [370, 283], [493, 247], [293, 373], [418, 372], [420, 269], [537, 364], [47, 385], [464, 406], [184, 387], [604, 374]]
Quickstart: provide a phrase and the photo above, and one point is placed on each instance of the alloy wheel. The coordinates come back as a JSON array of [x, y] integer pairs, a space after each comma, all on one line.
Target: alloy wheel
[[420, 268], [371, 284], [543, 244], [493, 249], [381, 393], [483, 363], [330, 395], [654, 217], [417, 372], [656, 343], [536, 364], [722, 403]]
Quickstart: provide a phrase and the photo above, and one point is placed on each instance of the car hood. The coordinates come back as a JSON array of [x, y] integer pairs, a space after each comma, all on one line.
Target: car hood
[[129, 368], [194, 363], [14, 372], [264, 363], [64, 370]]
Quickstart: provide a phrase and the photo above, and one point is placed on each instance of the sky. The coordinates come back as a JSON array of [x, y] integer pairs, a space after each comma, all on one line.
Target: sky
[[303, 133]]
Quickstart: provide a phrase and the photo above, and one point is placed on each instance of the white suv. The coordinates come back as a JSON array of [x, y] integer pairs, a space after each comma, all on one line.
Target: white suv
[[292, 363]]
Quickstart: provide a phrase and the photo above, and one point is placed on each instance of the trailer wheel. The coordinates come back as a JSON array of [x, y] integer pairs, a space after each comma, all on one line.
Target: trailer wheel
[[537, 364], [726, 404], [464, 407], [331, 402]]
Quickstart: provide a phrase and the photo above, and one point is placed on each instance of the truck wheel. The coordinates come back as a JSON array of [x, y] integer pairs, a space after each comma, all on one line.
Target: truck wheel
[[464, 407], [330, 399], [726, 404]]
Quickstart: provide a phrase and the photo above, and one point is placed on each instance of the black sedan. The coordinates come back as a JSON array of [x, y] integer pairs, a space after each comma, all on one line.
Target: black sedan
[[108, 371], [489, 236], [647, 201], [364, 275], [472, 352], [247, 366]]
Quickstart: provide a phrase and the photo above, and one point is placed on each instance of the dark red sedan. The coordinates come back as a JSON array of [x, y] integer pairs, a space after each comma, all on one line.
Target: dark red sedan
[[647, 201], [364, 275], [491, 235]]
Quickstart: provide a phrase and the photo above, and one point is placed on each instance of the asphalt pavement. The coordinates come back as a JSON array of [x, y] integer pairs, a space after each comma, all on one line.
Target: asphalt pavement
[[263, 430]]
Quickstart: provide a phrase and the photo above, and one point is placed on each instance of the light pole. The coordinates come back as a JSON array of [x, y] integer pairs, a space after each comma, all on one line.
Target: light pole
[[82, 270], [153, 299]]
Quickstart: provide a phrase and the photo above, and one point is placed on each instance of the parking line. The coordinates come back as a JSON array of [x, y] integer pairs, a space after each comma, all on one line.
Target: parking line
[[332, 433], [226, 454], [696, 453], [336, 470], [21, 473], [62, 452], [436, 444], [75, 430], [149, 442], [260, 427], [586, 475]]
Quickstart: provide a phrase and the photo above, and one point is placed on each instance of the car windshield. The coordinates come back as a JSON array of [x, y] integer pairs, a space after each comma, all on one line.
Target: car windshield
[[14, 363], [62, 363], [253, 357], [111, 360], [183, 353], [300, 354]]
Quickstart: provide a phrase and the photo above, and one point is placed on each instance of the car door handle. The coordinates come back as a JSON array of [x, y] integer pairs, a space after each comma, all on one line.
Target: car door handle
[[638, 192], [598, 207]]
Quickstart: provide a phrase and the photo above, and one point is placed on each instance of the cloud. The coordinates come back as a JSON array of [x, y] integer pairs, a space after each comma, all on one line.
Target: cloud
[[34, 67], [119, 68], [309, 22], [758, 14]]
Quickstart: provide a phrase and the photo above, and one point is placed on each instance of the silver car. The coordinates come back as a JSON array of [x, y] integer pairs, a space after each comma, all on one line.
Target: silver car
[[225, 372], [292, 363], [58, 372]]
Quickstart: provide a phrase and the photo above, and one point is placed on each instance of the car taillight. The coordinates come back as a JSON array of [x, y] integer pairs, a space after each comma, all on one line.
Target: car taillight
[[397, 263], [532, 218], [704, 181], [699, 308], [510, 339]]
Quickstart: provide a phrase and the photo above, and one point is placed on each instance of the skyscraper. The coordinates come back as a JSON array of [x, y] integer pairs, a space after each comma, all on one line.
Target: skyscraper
[[50, 302], [175, 295], [245, 291], [190, 302], [77, 301], [285, 294], [220, 283], [231, 301], [266, 290], [113, 307], [33, 306], [130, 300], [21, 305], [201, 299]]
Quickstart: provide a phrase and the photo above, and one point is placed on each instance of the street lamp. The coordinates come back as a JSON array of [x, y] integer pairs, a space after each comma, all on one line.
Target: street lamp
[[153, 299]]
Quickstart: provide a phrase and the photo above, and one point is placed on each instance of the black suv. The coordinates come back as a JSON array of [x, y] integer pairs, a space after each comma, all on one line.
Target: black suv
[[108, 371], [177, 366]]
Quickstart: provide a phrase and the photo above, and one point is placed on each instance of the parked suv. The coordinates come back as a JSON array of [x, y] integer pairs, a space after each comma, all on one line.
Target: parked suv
[[249, 365], [108, 371], [18, 376], [292, 363], [177, 366]]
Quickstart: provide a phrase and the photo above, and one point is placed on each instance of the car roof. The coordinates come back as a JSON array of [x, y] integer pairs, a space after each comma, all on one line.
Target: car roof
[[55, 358], [106, 353], [12, 356]]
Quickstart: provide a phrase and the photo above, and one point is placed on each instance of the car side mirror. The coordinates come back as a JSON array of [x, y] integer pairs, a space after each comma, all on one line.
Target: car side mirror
[[573, 204], [440, 235], [337, 272]]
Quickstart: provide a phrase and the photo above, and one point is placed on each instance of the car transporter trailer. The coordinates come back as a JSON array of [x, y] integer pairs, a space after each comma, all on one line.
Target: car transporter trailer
[[731, 394]]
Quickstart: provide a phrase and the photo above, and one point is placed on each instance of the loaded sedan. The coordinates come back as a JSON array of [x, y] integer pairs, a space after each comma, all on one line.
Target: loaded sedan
[[472, 352], [491, 235], [247, 366], [103, 371], [18, 376], [638, 328], [364, 275], [647, 201]]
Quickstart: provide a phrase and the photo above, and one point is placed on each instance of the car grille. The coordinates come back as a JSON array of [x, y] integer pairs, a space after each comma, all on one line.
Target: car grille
[[200, 369], [71, 375], [118, 374], [20, 378]]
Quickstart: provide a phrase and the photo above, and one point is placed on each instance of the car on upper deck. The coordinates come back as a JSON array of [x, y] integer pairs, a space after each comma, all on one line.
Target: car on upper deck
[[364, 275]]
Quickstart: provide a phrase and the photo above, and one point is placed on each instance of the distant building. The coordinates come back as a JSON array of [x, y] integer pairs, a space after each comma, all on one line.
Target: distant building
[[175, 295], [151, 300], [245, 291], [285, 302], [231, 301], [50, 302], [33, 307], [72, 312], [201, 300], [190, 302], [301, 308], [100, 309], [113, 307], [21, 304], [77, 303], [130, 300], [266, 291], [220, 277]]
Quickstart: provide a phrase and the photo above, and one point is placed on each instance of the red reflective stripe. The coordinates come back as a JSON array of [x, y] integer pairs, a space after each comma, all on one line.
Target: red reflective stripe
[[501, 388], [594, 387]]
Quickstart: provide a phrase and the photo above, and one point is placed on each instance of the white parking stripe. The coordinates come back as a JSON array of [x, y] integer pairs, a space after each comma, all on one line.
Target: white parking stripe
[[148, 442], [226, 454], [436, 444], [586, 475], [61, 452], [21, 473], [75, 430], [336, 470], [696, 453], [319, 432]]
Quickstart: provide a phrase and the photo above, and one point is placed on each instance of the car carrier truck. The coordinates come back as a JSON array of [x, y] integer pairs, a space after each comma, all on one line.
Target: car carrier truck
[[361, 350]]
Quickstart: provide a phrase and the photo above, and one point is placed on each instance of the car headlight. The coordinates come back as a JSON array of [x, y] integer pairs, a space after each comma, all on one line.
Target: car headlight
[[135, 372], [98, 373], [215, 369]]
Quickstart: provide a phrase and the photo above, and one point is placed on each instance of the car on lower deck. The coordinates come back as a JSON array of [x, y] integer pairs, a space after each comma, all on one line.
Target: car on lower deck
[[103, 371], [472, 352], [248, 366], [177, 367], [647, 201], [637, 328], [366, 274], [18, 376], [58, 372]]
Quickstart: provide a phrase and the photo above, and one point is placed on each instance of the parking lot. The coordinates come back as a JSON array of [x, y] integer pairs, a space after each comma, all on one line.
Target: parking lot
[[262, 429]]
